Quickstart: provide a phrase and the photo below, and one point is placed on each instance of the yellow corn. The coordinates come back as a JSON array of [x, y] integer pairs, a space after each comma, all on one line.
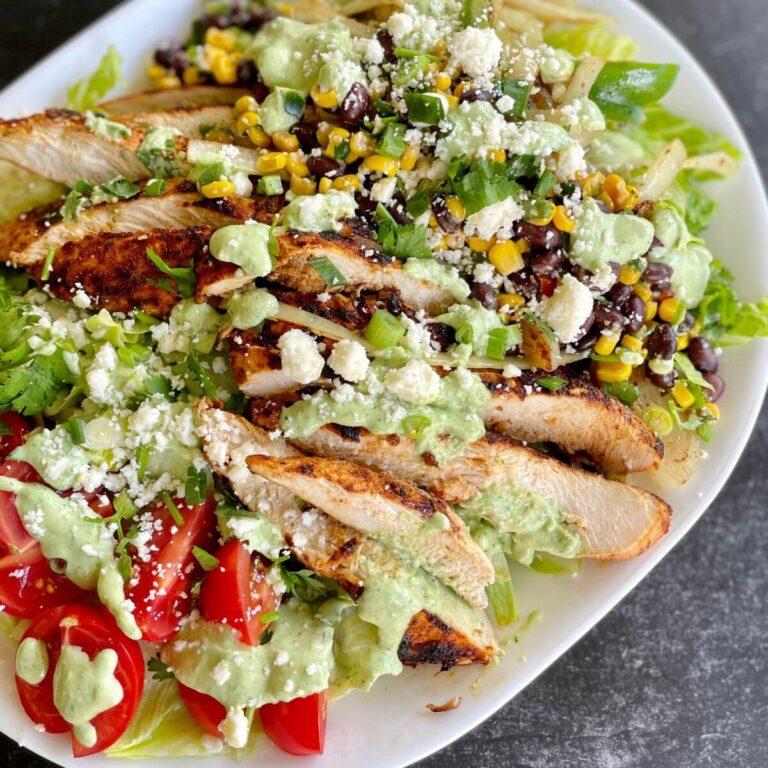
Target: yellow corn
[[629, 275], [506, 257], [271, 162], [632, 343], [479, 245], [440, 48], [221, 188], [286, 9], [167, 83], [381, 164], [695, 329], [156, 71], [284, 141], [592, 184], [409, 158], [302, 186], [607, 199], [459, 89], [523, 245], [497, 155], [616, 188], [631, 200], [224, 70], [651, 308], [259, 137], [347, 183], [443, 81], [511, 300], [220, 38], [668, 309], [612, 372], [606, 343], [562, 220], [336, 137], [245, 121], [455, 208], [323, 132], [682, 395], [641, 290], [324, 185], [296, 166], [432, 223], [324, 99], [246, 104], [683, 341], [192, 76], [220, 136], [453, 101], [362, 144], [714, 411]]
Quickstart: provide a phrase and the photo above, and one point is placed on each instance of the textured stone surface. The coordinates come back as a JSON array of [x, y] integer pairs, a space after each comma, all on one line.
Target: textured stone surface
[[676, 676]]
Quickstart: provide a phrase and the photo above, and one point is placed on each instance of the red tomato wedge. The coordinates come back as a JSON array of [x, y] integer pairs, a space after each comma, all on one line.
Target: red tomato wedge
[[298, 726], [28, 585], [161, 578], [15, 429], [207, 711], [93, 630], [237, 593]]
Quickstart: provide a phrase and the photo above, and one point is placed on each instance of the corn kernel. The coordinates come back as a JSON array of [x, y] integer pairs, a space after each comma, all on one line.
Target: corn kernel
[[284, 141], [336, 138], [286, 9], [695, 329], [324, 99], [511, 300], [347, 183], [409, 158], [459, 89], [543, 222], [296, 166], [606, 343], [562, 220], [362, 144], [245, 121], [605, 198], [156, 71], [668, 309], [246, 104], [453, 101], [523, 245], [220, 38], [479, 245], [455, 208], [616, 189], [440, 48], [682, 395], [443, 81], [651, 308], [221, 188], [302, 186], [506, 257], [271, 162], [713, 409], [632, 343], [592, 184], [682, 342], [224, 70], [168, 83], [432, 223], [612, 372], [630, 201], [259, 137], [380, 164], [192, 76], [324, 185], [643, 291], [629, 275], [497, 155]]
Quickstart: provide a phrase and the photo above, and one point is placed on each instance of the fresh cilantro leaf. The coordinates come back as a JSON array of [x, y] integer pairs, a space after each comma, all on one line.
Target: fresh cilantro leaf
[[199, 381], [184, 277], [159, 669], [485, 183], [196, 486], [403, 241], [33, 387]]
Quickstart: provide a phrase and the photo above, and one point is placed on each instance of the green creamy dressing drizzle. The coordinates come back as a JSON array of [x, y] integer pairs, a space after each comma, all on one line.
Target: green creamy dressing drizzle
[[158, 152], [613, 151], [73, 533], [32, 660], [252, 308], [273, 113], [83, 689], [534, 522], [319, 213], [599, 237], [256, 532], [297, 661], [444, 426], [246, 245], [104, 127], [481, 321], [442, 274], [687, 255]]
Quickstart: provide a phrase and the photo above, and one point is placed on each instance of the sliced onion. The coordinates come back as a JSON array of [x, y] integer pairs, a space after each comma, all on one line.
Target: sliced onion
[[720, 163], [205, 152], [663, 170], [547, 10], [583, 79]]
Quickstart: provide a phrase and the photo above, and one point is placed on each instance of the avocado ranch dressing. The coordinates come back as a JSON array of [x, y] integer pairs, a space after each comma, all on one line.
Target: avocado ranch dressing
[[32, 660]]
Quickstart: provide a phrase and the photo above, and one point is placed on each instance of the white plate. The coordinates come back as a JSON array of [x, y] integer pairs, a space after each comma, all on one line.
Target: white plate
[[390, 727]]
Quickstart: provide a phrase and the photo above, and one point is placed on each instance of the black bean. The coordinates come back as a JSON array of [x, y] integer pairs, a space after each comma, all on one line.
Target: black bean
[[586, 326], [442, 335], [547, 263], [253, 20], [718, 387], [323, 165], [482, 94], [662, 342], [165, 56], [635, 312], [443, 215], [485, 294], [620, 295], [525, 283], [702, 355], [657, 272], [365, 203], [539, 238], [355, 105], [218, 20], [661, 380], [588, 340], [607, 316], [663, 287], [306, 133], [247, 73], [686, 323], [386, 42], [397, 209], [179, 63]]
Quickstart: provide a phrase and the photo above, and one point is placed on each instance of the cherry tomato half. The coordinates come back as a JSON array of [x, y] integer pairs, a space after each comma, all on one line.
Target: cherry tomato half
[[206, 711], [298, 726], [16, 428]]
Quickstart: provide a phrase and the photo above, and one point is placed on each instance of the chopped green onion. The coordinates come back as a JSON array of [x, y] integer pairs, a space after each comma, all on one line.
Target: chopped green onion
[[519, 90], [76, 429], [207, 561], [414, 426], [498, 343], [209, 174], [409, 53], [196, 486], [625, 391], [142, 460], [173, 509], [155, 188], [267, 618], [465, 334], [48, 263], [124, 507], [679, 313], [384, 330], [424, 108], [658, 420], [121, 188], [328, 271], [184, 276], [269, 185], [552, 383], [392, 140], [384, 109], [474, 13], [341, 150], [704, 431], [545, 183]]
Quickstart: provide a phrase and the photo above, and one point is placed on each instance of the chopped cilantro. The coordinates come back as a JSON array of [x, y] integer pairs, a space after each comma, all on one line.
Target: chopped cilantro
[[184, 277], [403, 241]]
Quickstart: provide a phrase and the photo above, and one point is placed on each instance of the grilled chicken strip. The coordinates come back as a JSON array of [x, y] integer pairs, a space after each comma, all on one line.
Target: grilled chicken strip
[[578, 417], [58, 145], [178, 98], [618, 521], [27, 240], [447, 631]]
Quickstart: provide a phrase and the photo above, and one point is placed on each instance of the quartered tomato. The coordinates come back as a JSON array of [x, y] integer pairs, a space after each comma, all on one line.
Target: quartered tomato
[[28, 584], [298, 726], [207, 711], [160, 587], [14, 432], [92, 630]]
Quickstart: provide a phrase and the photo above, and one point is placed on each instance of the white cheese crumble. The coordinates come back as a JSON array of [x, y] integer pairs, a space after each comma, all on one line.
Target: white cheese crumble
[[300, 358], [567, 309], [234, 728], [494, 220], [349, 360], [415, 383], [476, 51]]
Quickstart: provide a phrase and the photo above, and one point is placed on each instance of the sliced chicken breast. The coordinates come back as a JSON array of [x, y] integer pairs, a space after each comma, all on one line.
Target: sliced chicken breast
[[426, 529], [179, 98], [447, 631], [579, 417]]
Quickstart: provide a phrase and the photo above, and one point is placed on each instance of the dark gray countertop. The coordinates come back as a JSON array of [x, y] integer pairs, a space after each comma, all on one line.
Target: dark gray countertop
[[676, 676]]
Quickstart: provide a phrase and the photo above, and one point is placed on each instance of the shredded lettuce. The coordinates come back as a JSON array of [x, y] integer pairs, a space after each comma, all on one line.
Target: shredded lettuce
[[591, 39], [87, 93]]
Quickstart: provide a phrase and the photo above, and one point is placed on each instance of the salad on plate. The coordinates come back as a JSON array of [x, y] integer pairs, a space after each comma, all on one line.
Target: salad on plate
[[307, 349]]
